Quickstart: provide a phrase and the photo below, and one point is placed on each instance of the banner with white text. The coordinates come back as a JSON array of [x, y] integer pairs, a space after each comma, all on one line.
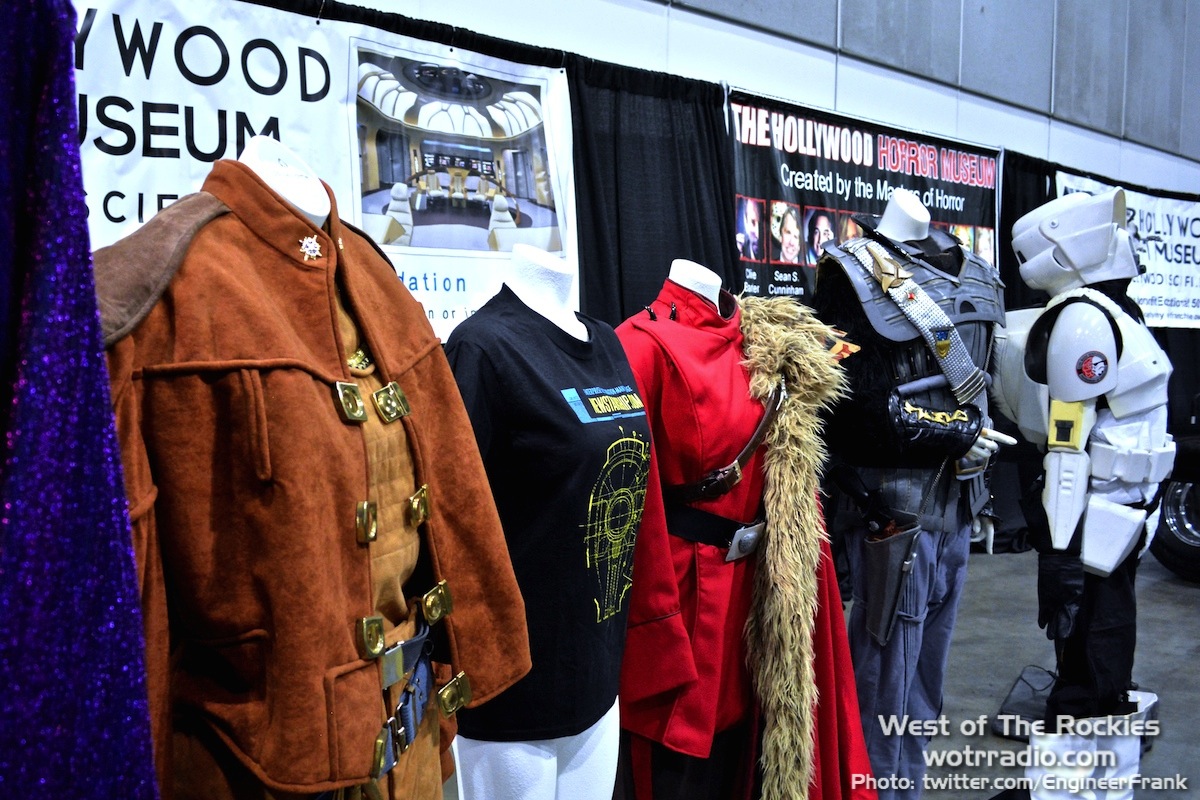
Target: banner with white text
[[1166, 233], [446, 158], [802, 174]]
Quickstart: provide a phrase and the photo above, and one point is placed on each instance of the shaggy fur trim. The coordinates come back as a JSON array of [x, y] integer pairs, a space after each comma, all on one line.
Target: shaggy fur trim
[[783, 339]]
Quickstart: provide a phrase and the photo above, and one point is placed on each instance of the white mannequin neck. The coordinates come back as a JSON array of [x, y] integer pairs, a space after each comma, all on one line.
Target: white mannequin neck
[[289, 177], [700, 279], [904, 219], [544, 283]]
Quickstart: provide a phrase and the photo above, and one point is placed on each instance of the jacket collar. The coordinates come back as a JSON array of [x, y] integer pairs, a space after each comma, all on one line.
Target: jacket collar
[[274, 220], [694, 310]]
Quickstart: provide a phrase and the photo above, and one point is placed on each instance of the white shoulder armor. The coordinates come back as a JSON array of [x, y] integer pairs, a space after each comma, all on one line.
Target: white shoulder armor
[[1081, 353], [1022, 400], [1142, 371]]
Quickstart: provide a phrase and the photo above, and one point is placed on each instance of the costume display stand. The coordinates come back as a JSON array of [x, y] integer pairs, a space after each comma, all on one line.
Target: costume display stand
[[564, 439], [730, 564], [1086, 380], [911, 443], [289, 176], [318, 603]]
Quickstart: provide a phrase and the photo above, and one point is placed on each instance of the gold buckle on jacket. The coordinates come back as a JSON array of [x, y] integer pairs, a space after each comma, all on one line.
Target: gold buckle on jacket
[[437, 603], [454, 695]]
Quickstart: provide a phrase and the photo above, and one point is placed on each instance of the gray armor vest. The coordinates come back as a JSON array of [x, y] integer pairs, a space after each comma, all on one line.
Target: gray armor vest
[[973, 301]]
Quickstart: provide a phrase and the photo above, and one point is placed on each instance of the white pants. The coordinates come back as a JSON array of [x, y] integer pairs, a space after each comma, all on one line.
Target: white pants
[[579, 767]]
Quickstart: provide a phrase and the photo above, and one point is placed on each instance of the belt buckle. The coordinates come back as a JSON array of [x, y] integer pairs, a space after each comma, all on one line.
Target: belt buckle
[[401, 659], [745, 541], [391, 742], [402, 739], [721, 481]]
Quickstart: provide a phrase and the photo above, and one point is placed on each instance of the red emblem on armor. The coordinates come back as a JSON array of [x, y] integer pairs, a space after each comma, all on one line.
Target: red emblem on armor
[[1092, 366]]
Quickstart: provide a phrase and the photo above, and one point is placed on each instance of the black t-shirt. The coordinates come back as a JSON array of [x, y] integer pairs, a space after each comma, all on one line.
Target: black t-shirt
[[566, 445]]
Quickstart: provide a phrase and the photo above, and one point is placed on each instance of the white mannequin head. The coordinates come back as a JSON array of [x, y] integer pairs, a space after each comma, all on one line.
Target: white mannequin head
[[700, 279], [904, 218], [545, 283], [289, 176], [1073, 241]]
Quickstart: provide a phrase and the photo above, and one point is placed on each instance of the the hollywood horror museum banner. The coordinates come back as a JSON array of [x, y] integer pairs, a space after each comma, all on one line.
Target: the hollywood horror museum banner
[[802, 174]]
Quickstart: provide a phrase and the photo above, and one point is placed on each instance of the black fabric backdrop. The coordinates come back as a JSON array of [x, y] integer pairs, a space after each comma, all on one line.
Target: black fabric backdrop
[[1026, 183], [653, 182]]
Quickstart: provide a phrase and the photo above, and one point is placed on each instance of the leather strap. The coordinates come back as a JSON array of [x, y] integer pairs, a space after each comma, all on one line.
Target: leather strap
[[398, 661], [720, 481], [966, 379]]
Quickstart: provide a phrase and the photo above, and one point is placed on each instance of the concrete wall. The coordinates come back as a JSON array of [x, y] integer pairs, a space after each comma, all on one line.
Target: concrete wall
[[1098, 85]]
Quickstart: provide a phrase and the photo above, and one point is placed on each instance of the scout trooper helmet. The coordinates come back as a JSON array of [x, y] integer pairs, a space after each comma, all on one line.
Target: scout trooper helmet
[[1075, 240]]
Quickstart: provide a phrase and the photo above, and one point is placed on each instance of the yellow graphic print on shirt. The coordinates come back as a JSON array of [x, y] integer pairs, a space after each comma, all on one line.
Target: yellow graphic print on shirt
[[614, 512]]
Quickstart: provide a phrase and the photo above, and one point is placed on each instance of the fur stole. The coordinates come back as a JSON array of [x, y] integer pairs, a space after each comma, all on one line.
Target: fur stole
[[783, 339]]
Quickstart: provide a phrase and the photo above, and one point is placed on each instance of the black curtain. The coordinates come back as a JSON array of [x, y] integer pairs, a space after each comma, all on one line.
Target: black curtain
[[653, 182], [1183, 348], [1026, 183]]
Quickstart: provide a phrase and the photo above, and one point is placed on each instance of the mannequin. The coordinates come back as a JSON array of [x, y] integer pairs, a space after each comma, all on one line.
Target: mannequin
[[910, 445], [566, 446], [713, 596], [289, 176], [544, 283], [277, 493], [698, 278], [904, 219]]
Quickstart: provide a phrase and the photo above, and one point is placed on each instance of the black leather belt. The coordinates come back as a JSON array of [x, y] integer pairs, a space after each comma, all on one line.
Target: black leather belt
[[695, 525], [400, 729], [738, 539]]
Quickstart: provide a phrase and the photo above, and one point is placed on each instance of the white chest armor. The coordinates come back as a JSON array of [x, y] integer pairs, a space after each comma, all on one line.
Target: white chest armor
[[1080, 350]]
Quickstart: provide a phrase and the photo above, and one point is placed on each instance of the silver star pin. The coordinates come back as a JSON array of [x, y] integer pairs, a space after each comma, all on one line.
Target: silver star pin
[[310, 247]]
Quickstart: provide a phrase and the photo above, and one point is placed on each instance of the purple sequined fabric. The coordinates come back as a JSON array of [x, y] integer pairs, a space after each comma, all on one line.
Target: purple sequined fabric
[[73, 711]]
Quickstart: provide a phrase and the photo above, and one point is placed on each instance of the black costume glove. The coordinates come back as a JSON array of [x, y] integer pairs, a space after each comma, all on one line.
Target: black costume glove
[[1060, 590], [930, 431]]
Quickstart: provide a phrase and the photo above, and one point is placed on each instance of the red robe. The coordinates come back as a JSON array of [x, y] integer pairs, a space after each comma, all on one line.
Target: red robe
[[684, 675]]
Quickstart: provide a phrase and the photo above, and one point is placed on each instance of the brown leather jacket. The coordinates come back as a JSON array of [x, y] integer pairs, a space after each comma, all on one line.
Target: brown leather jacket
[[243, 481]]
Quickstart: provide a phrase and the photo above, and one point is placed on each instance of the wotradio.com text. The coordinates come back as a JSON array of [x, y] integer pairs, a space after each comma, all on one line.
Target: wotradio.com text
[[968, 756]]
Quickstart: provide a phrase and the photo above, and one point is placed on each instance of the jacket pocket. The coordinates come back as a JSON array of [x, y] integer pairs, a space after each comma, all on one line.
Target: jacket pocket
[[258, 441], [355, 700], [235, 666]]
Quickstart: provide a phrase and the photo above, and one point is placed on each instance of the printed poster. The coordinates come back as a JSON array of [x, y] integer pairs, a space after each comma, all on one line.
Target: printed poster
[[802, 175], [446, 158], [1166, 233]]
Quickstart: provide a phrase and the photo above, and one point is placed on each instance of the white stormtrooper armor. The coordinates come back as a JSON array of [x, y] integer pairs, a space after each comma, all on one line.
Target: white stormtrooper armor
[[1085, 378]]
